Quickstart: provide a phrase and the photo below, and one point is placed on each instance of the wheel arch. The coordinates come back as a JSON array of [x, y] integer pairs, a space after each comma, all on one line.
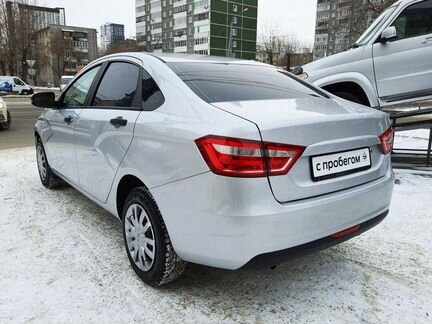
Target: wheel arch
[[349, 82], [126, 184]]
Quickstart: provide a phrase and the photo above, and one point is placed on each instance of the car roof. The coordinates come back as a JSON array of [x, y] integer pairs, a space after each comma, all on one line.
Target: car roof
[[188, 58], [192, 58]]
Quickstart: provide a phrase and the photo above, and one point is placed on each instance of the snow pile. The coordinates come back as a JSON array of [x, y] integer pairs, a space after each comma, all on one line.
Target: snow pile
[[63, 260]]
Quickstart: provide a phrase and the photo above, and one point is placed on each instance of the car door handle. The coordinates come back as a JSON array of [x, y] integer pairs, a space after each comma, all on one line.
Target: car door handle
[[118, 122], [68, 120]]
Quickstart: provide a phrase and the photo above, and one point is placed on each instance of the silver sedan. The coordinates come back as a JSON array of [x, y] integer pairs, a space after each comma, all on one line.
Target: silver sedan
[[215, 161]]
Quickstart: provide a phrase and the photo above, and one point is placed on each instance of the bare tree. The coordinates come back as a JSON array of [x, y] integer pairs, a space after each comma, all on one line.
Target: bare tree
[[17, 32], [279, 48], [61, 50], [272, 42], [292, 46], [128, 45], [362, 16], [3, 39], [378, 6]]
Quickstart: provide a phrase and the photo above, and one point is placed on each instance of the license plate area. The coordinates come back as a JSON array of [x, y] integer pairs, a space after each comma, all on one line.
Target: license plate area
[[328, 166]]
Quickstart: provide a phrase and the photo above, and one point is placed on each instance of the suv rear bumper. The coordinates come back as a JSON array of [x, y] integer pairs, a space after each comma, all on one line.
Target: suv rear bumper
[[227, 222]]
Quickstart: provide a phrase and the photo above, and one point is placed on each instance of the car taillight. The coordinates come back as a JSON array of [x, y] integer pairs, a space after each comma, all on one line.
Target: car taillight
[[241, 158], [387, 141]]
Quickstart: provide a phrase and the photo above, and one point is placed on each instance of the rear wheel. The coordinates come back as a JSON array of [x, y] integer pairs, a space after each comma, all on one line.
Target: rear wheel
[[7, 124], [47, 176], [147, 242]]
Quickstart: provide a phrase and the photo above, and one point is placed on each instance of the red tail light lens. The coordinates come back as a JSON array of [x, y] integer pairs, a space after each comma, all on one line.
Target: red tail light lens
[[387, 141], [234, 157]]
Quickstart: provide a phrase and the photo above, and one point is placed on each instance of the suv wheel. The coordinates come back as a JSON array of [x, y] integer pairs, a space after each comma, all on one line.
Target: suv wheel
[[47, 176], [148, 245], [7, 124]]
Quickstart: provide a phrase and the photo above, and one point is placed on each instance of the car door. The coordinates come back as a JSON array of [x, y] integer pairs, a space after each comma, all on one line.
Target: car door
[[403, 67], [59, 147], [18, 85], [104, 129]]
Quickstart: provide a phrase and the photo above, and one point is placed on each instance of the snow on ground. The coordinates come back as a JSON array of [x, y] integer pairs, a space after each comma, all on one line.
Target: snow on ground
[[63, 260], [412, 139]]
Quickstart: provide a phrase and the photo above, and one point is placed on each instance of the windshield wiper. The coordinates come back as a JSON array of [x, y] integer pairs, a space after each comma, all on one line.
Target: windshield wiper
[[355, 45]]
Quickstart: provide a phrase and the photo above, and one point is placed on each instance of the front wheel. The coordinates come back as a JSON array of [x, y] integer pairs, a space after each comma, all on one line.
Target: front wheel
[[7, 124], [147, 242], [47, 176]]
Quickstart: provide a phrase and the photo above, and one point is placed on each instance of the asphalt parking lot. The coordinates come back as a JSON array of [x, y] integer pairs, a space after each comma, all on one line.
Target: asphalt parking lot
[[24, 117], [63, 260]]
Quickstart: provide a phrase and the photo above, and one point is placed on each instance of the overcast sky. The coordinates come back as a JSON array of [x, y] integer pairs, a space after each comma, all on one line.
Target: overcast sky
[[294, 17]]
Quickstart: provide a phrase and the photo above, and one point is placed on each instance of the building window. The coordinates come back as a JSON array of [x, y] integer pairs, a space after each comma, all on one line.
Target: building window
[[234, 32], [234, 21], [234, 44], [235, 8]]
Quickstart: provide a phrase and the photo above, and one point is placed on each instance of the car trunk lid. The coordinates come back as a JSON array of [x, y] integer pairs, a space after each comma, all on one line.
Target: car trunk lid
[[324, 127]]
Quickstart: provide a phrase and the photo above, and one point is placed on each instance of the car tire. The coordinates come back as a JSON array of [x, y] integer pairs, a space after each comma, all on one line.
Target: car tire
[[349, 96], [6, 125], [47, 176], [147, 242]]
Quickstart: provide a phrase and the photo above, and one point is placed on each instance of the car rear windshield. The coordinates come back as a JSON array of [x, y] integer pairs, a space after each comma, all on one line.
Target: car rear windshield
[[216, 82]]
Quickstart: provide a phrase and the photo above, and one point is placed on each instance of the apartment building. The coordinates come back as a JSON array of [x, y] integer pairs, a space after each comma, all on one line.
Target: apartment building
[[64, 50], [111, 34], [339, 23], [41, 16], [206, 27]]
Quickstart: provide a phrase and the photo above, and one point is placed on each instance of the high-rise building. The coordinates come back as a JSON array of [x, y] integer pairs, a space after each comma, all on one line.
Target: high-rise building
[[111, 34], [41, 16], [208, 27], [340, 23]]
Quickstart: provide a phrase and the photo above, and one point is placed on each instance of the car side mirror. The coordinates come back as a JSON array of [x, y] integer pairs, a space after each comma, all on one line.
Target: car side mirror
[[388, 34], [44, 100]]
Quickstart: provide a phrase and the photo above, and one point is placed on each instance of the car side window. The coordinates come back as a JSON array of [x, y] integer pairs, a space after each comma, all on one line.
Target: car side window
[[151, 94], [76, 95], [416, 20], [18, 82], [118, 87]]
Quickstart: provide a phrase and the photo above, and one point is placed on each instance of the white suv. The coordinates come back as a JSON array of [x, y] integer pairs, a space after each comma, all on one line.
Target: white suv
[[391, 63]]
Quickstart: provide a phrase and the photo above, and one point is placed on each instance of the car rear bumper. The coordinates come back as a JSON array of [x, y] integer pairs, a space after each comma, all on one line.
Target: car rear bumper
[[277, 257], [226, 222]]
